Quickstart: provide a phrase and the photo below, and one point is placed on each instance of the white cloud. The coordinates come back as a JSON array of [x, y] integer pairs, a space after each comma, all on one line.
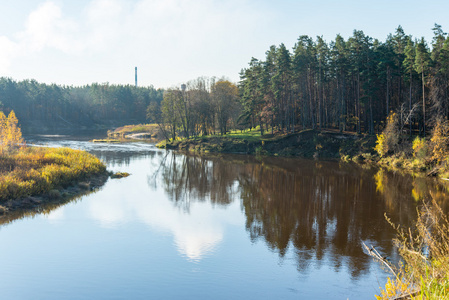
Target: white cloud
[[196, 233], [46, 27], [8, 50], [171, 40], [103, 25]]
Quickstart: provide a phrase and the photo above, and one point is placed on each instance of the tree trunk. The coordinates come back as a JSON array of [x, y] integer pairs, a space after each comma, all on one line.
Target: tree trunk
[[423, 104], [388, 91], [410, 103], [358, 105]]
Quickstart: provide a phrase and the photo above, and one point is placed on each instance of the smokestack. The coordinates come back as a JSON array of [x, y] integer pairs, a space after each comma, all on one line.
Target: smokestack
[[136, 75]]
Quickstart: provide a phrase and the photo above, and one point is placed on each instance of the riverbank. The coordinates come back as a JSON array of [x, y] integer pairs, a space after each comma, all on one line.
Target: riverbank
[[305, 144], [424, 157], [136, 132], [33, 176]]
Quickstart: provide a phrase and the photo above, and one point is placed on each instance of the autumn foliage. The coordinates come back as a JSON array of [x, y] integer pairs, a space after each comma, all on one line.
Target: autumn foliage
[[10, 133], [37, 170]]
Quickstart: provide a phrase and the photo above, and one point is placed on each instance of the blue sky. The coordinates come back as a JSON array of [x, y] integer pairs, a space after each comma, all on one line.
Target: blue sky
[[173, 41]]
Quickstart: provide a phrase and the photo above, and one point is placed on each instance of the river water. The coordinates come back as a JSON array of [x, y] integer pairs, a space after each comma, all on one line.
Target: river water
[[215, 227]]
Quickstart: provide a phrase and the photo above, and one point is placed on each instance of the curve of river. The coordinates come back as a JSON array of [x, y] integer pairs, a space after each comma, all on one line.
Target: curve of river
[[216, 227]]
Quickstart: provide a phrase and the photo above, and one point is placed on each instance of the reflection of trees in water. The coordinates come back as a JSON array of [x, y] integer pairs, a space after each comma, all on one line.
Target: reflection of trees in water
[[320, 208], [186, 178], [119, 159], [45, 208], [395, 186], [323, 209]]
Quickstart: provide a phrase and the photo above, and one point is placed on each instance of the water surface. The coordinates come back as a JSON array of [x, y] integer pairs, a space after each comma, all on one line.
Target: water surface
[[217, 227]]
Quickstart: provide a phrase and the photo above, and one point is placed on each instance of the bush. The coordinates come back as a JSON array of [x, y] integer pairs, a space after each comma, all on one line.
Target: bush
[[419, 148], [389, 139], [424, 273], [440, 141]]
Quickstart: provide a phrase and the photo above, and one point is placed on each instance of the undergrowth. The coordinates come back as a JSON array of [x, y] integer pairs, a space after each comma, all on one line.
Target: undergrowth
[[430, 155], [424, 270]]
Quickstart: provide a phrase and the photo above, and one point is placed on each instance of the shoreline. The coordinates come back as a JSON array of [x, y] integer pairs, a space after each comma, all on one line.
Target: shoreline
[[304, 144], [14, 208], [312, 144], [32, 176]]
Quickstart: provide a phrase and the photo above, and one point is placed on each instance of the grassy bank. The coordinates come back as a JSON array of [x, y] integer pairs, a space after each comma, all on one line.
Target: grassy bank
[[35, 171], [148, 131], [391, 149], [307, 144]]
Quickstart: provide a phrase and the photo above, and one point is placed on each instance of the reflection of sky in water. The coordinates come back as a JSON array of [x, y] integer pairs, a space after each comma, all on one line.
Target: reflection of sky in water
[[229, 230], [196, 232]]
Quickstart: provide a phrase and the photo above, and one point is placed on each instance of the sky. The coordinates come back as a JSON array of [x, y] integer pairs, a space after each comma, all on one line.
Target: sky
[[173, 41]]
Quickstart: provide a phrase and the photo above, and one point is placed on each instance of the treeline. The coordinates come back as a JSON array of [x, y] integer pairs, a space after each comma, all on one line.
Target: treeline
[[202, 106], [55, 105], [350, 85]]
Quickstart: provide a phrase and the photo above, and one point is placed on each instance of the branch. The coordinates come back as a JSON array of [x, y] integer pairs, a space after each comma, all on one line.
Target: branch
[[375, 254]]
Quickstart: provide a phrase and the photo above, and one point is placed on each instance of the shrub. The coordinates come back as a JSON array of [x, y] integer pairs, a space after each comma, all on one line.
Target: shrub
[[440, 141], [389, 139], [424, 273], [419, 148], [381, 147]]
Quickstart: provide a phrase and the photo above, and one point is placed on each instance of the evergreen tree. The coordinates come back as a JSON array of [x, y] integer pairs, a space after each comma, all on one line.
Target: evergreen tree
[[439, 82], [422, 61], [409, 62]]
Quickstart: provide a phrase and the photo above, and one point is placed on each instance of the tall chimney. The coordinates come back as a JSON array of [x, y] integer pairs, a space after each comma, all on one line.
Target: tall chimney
[[136, 75]]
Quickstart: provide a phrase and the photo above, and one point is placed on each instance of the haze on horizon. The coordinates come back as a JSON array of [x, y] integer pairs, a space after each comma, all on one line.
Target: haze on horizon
[[173, 41]]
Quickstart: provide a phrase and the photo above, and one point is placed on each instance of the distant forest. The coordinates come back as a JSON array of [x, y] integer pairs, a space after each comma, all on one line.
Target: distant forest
[[40, 106], [350, 85], [347, 85]]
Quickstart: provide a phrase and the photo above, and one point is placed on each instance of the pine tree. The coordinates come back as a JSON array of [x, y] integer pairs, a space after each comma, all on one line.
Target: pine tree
[[408, 64], [422, 61], [439, 81]]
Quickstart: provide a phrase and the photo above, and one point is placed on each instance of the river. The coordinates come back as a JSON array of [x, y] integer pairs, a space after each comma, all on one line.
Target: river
[[210, 227]]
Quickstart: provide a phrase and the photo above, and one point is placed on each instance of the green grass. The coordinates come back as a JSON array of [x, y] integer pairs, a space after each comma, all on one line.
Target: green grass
[[252, 135], [34, 170]]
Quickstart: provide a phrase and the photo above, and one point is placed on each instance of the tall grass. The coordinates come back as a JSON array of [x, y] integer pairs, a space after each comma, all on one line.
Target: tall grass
[[127, 129], [424, 270], [34, 170]]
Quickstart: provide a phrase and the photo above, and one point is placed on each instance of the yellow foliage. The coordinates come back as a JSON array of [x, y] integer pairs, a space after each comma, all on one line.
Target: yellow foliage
[[419, 148], [393, 288], [10, 133], [389, 139], [381, 147], [440, 141], [33, 170], [424, 271]]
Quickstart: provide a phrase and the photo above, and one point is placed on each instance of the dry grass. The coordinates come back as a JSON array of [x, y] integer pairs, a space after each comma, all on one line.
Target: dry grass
[[424, 270], [32, 170]]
